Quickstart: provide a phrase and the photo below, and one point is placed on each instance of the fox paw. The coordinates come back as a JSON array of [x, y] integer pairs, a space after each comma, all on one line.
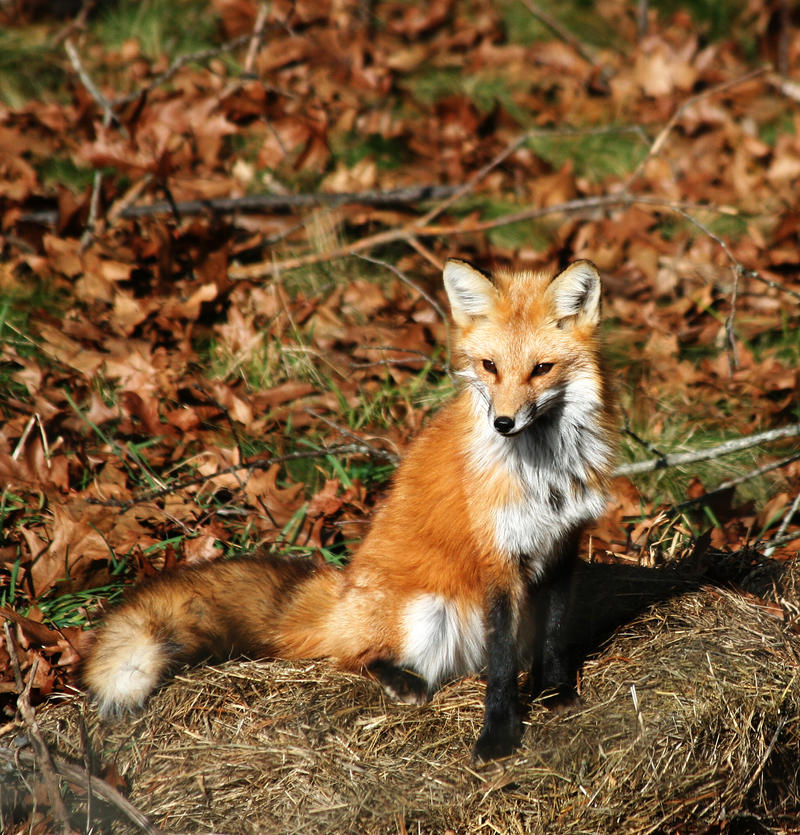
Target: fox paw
[[401, 685], [496, 741]]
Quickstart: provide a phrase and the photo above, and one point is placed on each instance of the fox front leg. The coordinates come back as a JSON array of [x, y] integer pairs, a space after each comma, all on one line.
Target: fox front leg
[[502, 726], [555, 661]]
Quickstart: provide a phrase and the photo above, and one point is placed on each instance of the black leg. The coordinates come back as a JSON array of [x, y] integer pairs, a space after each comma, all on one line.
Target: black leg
[[554, 664], [502, 727], [399, 684]]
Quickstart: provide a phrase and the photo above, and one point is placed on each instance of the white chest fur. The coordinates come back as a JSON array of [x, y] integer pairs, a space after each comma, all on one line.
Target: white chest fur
[[551, 467]]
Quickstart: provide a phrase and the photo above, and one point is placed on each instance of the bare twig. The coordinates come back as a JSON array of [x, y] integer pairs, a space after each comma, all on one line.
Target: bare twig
[[41, 752], [641, 18], [105, 105], [788, 516], [109, 116], [77, 23], [733, 482], [473, 181], [777, 541], [262, 203], [82, 779], [737, 269], [266, 203], [659, 141], [403, 233], [178, 64], [346, 433], [770, 283], [257, 36], [556, 27], [408, 281], [639, 440], [734, 445]]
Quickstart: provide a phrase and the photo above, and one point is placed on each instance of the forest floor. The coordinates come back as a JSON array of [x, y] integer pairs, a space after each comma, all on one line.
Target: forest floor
[[222, 228]]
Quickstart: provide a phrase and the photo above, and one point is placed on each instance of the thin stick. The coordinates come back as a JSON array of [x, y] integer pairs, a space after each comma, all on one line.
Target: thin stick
[[105, 105], [733, 482], [725, 448], [555, 26], [409, 282], [473, 181], [41, 752], [641, 19], [109, 116], [267, 268], [737, 269], [255, 40], [659, 141], [788, 516], [180, 62], [80, 777]]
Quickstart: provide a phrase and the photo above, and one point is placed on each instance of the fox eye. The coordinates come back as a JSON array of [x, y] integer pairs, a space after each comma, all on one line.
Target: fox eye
[[541, 368], [490, 366]]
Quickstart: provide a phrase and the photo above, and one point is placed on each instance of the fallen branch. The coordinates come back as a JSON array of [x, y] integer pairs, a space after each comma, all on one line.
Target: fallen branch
[[675, 459], [41, 754], [79, 777], [263, 203], [263, 269]]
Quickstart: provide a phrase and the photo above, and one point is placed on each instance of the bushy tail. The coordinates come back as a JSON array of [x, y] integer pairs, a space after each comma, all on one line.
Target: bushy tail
[[215, 610]]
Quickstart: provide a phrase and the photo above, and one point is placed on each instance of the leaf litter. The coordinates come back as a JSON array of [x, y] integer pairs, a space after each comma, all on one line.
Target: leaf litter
[[159, 408]]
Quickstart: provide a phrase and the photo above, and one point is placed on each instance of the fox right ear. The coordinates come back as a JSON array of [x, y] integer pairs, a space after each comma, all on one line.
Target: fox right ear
[[470, 292]]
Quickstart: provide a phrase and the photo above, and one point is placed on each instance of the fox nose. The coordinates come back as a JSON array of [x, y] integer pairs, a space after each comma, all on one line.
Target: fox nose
[[504, 424]]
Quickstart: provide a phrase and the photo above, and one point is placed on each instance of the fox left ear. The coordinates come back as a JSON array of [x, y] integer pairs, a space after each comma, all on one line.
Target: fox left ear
[[576, 292], [469, 291]]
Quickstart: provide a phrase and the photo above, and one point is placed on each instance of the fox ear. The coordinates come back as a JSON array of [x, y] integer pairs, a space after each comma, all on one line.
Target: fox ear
[[576, 292], [470, 292]]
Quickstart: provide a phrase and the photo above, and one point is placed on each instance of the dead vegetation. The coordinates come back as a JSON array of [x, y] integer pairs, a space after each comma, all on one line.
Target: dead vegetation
[[180, 385], [690, 719]]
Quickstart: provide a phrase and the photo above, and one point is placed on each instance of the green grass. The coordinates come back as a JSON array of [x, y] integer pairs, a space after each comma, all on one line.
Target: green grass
[[781, 125], [30, 67], [172, 29], [485, 89], [715, 18], [19, 305], [64, 610], [389, 153], [682, 433], [579, 17], [612, 152], [65, 172]]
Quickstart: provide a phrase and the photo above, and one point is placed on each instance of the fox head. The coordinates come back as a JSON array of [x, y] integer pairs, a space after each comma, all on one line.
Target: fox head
[[527, 342]]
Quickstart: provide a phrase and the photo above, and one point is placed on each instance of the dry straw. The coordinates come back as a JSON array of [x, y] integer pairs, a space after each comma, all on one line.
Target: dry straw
[[690, 717]]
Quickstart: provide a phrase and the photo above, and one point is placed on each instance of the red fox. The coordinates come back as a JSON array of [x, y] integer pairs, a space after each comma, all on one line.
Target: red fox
[[466, 565]]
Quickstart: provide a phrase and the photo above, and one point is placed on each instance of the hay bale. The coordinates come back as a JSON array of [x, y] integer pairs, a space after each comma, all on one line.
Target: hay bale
[[690, 717]]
